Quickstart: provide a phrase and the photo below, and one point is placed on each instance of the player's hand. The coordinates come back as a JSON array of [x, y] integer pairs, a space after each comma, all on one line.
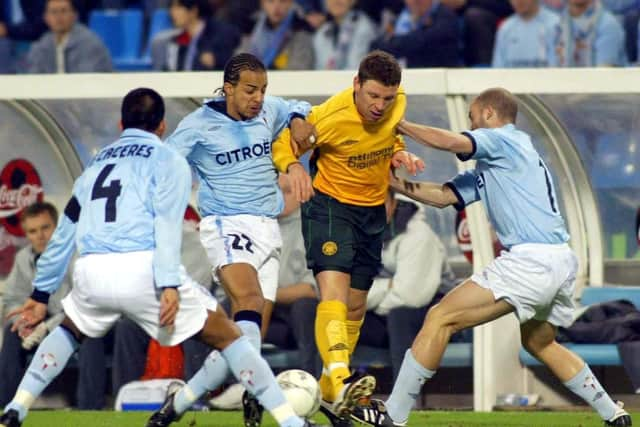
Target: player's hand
[[412, 163], [303, 136], [300, 182], [27, 316], [169, 305]]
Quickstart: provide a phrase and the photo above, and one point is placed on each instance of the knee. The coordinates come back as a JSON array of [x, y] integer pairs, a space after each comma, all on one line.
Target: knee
[[439, 319], [536, 344], [219, 331]]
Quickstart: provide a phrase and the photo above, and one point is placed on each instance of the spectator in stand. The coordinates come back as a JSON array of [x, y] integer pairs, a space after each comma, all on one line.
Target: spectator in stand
[[425, 35], [480, 22], [38, 222], [198, 43], [20, 21], [415, 276], [344, 39], [68, 46], [281, 38], [527, 38], [239, 13], [378, 10], [590, 36]]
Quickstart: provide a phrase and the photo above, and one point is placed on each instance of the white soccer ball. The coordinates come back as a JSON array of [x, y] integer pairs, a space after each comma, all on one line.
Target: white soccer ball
[[301, 390]]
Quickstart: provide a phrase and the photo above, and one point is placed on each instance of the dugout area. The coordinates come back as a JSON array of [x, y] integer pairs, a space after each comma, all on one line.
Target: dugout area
[[586, 128]]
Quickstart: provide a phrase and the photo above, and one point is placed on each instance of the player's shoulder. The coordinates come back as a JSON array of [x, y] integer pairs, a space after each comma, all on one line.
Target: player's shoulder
[[400, 104], [335, 104], [200, 117]]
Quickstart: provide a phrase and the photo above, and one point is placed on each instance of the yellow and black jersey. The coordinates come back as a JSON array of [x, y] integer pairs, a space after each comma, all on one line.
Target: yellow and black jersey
[[351, 158]]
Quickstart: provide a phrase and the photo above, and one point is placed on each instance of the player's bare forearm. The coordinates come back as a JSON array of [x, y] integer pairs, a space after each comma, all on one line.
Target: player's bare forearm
[[430, 193], [440, 139]]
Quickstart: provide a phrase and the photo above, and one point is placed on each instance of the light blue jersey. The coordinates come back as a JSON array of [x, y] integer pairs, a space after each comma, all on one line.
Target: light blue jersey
[[132, 197], [515, 185], [233, 157], [527, 43]]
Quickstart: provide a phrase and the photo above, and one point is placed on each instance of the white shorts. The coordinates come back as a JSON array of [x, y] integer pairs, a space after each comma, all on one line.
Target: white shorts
[[538, 280], [250, 239], [107, 286]]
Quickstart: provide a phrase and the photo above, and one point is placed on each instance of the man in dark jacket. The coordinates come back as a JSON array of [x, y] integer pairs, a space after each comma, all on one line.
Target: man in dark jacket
[[425, 35], [199, 42]]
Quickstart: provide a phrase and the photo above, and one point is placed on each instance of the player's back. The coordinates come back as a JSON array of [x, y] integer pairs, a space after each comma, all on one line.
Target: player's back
[[116, 194], [517, 187]]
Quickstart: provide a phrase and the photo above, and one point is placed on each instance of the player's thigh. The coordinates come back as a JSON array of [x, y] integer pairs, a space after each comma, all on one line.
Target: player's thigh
[[467, 305], [268, 277], [92, 305], [195, 301], [370, 223], [239, 239], [328, 235]]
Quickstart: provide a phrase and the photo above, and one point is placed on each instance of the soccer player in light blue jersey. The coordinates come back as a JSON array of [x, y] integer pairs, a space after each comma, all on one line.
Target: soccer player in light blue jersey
[[125, 219], [227, 142], [533, 278]]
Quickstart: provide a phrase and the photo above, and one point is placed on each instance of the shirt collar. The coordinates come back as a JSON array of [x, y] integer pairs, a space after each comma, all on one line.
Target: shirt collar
[[139, 133]]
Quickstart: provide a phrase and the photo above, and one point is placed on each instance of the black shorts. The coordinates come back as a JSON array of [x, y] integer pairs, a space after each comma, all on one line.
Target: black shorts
[[345, 238]]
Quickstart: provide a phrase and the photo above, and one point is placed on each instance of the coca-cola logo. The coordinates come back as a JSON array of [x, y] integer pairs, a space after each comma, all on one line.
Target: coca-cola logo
[[20, 186], [464, 237]]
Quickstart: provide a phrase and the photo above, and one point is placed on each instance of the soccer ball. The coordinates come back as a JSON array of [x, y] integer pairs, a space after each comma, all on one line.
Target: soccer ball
[[301, 390]]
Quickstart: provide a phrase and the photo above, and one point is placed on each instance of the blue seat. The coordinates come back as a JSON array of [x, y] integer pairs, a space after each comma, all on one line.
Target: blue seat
[[160, 21], [121, 31], [596, 354]]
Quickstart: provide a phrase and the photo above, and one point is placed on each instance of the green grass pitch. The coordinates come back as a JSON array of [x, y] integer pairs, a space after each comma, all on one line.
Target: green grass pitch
[[234, 419]]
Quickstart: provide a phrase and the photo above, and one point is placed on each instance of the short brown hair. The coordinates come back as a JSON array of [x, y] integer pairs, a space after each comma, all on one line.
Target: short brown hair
[[502, 101], [38, 208], [381, 67]]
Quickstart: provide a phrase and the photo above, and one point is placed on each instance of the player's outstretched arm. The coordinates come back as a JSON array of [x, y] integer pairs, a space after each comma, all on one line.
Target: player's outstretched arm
[[430, 193], [440, 139]]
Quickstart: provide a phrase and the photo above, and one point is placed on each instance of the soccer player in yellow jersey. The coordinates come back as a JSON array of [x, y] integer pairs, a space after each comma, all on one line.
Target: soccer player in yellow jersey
[[343, 222]]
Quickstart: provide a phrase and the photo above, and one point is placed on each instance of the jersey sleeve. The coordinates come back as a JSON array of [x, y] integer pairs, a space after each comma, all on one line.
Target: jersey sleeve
[[282, 152], [399, 144], [54, 261], [486, 145], [170, 197], [286, 110], [464, 187], [184, 139]]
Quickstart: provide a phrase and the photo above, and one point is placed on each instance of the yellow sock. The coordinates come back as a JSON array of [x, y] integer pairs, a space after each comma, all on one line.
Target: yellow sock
[[326, 388], [332, 342], [353, 334]]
